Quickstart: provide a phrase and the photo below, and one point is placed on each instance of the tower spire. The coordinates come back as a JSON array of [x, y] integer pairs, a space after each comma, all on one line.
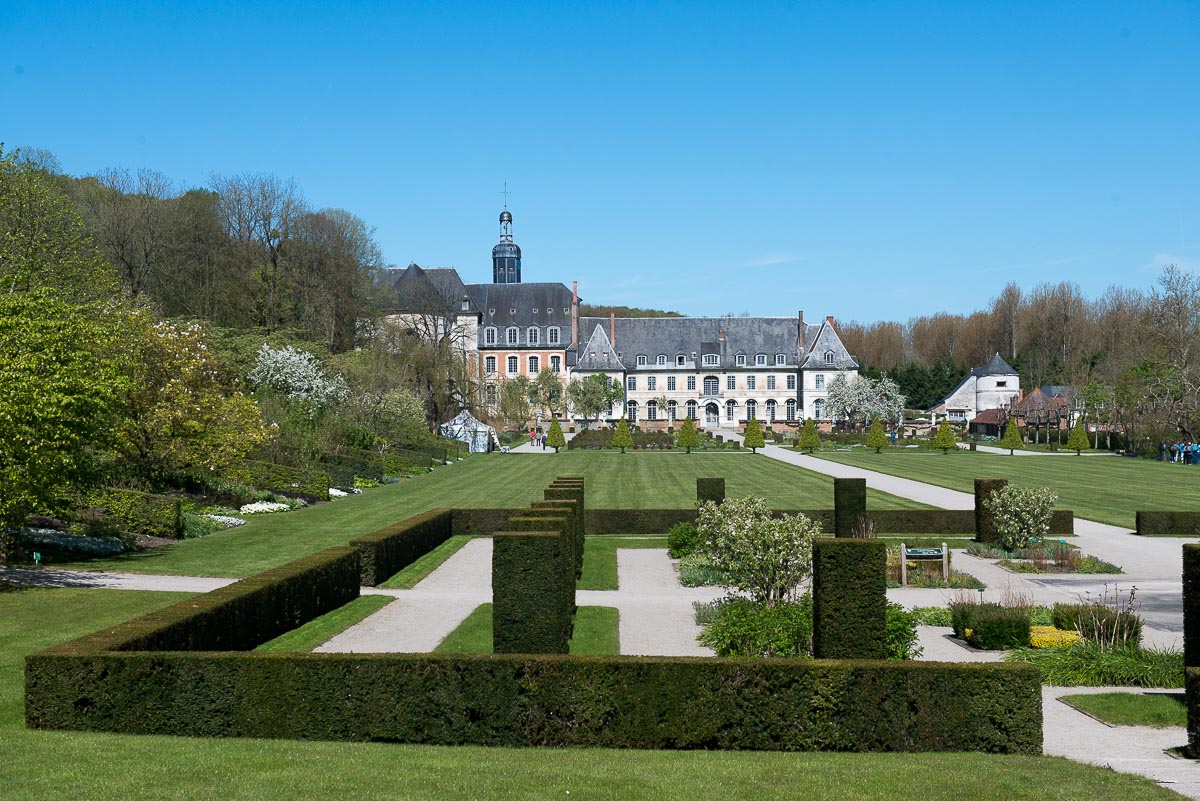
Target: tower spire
[[506, 255]]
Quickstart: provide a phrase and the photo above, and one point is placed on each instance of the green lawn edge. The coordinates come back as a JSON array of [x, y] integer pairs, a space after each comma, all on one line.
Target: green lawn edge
[[410, 576], [320, 630], [596, 632], [1156, 709], [600, 558]]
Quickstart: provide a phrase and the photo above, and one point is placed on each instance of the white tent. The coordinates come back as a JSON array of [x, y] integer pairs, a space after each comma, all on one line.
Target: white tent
[[479, 437]]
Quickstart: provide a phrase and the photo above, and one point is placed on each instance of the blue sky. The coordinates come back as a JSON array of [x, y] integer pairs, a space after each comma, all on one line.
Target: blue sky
[[866, 160]]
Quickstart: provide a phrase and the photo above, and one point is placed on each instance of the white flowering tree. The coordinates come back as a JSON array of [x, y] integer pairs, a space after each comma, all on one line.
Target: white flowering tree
[[862, 399], [1021, 513], [766, 557], [297, 376]]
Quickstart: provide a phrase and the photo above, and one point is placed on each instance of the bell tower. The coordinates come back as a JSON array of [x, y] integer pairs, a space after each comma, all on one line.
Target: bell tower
[[506, 255]]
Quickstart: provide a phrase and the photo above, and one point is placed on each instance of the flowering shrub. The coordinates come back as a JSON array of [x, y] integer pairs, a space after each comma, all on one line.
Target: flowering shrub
[[297, 375], [1050, 637], [762, 556], [75, 543], [226, 520], [1021, 514], [334, 492], [264, 507]]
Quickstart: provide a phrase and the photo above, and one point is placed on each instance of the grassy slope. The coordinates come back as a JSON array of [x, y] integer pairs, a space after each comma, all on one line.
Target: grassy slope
[[320, 630], [40, 766], [595, 632], [1102, 488], [1133, 709], [632, 480]]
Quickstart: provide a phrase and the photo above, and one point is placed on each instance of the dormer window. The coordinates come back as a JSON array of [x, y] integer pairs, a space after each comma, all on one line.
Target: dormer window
[[741, 360], [641, 361], [511, 334], [466, 303], [711, 360], [489, 336], [829, 357], [780, 359], [662, 359], [533, 336], [760, 359], [679, 360], [552, 335]]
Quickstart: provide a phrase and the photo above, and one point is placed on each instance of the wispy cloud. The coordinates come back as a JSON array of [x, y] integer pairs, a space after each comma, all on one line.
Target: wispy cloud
[[772, 259], [1159, 260], [1038, 265]]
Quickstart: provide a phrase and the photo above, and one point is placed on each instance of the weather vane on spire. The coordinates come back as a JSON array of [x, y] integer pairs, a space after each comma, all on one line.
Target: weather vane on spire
[[506, 193]]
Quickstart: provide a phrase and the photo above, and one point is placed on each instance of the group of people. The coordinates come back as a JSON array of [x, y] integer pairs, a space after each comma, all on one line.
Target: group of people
[[1181, 452], [534, 439]]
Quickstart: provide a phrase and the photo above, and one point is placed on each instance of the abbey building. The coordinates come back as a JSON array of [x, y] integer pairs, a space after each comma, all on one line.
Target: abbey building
[[720, 371]]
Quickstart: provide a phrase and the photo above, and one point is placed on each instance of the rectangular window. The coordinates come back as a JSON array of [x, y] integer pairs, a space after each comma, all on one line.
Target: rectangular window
[[691, 385], [1002, 383], [780, 358], [631, 382], [741, 360], [511, 336], [490, 364], [770, 382], [731, 382], [533, 365], [711, 360], [670, 383], [552, 336], [512, 365], [751, 382], [534, 336], [730, 411], [820, 381], [489, 336], [651, 383], [760, 359], [556, 364], [679, 360], [791, 382]]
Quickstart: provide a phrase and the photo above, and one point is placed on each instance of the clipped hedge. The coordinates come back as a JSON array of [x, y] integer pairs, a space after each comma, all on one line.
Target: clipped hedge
[[1178, 524], [849, 590], [312, 485], [710, 489], [996, 628], [1191, 607], [849, 505], [139, 512], [555, 701], [985, 524], [385, 552], [406, 456], [1192, 684], [533, 580]]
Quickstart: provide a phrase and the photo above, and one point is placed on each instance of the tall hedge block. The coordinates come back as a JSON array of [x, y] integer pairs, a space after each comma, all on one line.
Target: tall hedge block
[[533, 572], [571, 488], [139, 512], [849, 505], [1192, 685], [849, 591], [575, 524], [1150, 523], [985, 524], [1191, 605], [710, 489], [388, 550]]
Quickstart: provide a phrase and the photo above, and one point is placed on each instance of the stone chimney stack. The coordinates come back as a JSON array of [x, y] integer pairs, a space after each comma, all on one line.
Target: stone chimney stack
[[800, 332], [612, 329], [575, 315], [829, 320]]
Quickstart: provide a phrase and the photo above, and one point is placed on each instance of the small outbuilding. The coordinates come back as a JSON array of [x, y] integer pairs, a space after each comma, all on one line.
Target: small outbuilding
[[478, 436]]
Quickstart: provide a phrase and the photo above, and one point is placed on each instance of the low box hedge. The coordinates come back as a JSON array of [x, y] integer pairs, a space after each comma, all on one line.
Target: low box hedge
[[996, 628], [555, 701], [311, 485], [849, 592], [385, 552], [1178, 524], [138, 512]]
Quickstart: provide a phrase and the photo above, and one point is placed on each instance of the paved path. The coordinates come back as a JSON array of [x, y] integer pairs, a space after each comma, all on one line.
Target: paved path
[[526, 447], [966, 446], [53, 577]]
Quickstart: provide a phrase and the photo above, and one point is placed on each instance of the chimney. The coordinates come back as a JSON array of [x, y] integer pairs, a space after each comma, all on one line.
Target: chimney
[[575, 314], [829, 320], [800, 332], [612, 329]]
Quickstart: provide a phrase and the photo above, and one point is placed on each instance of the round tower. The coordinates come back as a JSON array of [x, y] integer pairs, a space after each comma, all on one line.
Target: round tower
[[506, 255]]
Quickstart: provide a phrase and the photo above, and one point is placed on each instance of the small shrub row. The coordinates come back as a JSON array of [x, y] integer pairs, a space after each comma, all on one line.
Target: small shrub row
[[1169, 524]]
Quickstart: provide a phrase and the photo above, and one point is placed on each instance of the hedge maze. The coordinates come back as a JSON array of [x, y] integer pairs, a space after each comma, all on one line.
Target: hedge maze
[[190, 669]]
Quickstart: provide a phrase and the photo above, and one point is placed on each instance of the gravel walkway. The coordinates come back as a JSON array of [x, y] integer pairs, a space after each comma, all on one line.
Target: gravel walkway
[[53, 577]]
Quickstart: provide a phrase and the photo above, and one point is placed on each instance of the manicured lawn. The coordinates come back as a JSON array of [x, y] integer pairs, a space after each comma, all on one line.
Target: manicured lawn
[[1102, 488], [49, 766], [600, 559], [595, 632], [320, 630], [1133, 709], [631, 480], [407, 578]]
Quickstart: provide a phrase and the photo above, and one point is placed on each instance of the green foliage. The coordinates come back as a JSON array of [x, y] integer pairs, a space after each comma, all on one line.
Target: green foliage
[[1078, 440], [743, 628], [710, 489], [687, 436], [385, 552], [753, 437], [1084, 664], [683, 539], [764, 556], [849, 592], [1171, 524], [698, 570], [945, 440], [810, 439], [533, 583], [849, 506], [308, 484], [996, 628], [1012, 436], [621, 437], [1099, 624], [58, 376], [877, 437], [1132, 709], [592, 396], [902, 640], [138, 512], [1020, 514], [931, 615], [554, 437]]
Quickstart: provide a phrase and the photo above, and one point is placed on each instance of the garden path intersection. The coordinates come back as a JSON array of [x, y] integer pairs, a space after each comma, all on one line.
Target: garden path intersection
[[656, 616]]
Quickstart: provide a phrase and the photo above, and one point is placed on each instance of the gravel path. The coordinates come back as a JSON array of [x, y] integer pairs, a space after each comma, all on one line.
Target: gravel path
[[53, 577]]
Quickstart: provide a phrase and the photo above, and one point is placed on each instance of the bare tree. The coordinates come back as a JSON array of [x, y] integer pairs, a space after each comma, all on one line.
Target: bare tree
[[129, 215]]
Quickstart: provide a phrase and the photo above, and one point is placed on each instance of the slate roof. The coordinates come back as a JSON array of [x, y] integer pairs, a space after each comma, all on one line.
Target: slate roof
[[674, 336], [416, 288], [598, 355], [497, 302], [997, 366]]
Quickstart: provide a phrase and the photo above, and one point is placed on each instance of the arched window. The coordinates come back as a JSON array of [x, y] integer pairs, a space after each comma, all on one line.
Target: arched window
[[790, 408], [672, 410], [641, 361], [731, 410], [679, 360], [552, 335], [489, 364], [512, 365], [631, 411], [770, 411], [556, 364], [710, 385], [712, 360], [489, 336], [533, 365], [651, 410], [662, 359], [510, 335], [751, 409], [691, 409], [533, 336], [819, 409], [829, 357]]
